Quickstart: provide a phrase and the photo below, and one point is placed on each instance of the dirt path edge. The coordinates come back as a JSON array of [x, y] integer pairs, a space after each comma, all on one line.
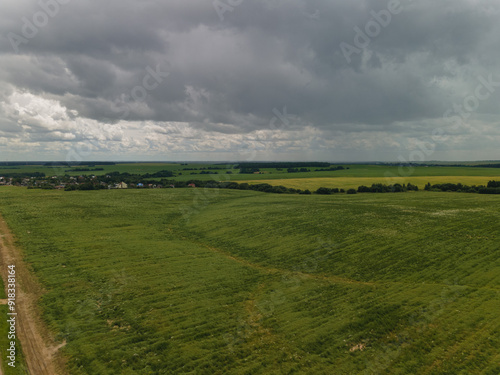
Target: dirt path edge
[[39, 348]]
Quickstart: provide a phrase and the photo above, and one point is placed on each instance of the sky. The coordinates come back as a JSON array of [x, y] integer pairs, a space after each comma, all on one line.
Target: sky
[[249, 80]]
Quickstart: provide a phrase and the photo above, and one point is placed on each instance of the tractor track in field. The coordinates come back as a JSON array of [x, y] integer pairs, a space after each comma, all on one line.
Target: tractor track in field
[[37, 345], [279, 271], [331, 278]]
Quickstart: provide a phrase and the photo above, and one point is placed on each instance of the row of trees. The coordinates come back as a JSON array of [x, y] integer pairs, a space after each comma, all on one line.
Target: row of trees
[[337, 168], [23, 175], [202, 168], [249, 170], [266, 188], [382, 188], [282, 165], [328, 191], [83, 169], [72, 164], [489, 190], [245, 169], [133, 180], [493, 187]]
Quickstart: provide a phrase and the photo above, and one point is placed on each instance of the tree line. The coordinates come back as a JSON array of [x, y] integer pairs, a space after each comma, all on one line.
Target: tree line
[[493, 187], [281, 165]]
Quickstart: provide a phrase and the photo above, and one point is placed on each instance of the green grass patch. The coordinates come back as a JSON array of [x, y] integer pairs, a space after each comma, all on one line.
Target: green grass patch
[[202, 281]]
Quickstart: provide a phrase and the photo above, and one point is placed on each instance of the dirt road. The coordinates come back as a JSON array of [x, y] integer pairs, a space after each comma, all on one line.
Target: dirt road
[[38, 347]]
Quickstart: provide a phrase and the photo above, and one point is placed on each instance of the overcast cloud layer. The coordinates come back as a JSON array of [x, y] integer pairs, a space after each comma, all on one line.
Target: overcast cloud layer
[[232, 80]]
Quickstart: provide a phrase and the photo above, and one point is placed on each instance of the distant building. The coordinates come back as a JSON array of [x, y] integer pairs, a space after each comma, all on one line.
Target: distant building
[[122, 185], [192, 185]]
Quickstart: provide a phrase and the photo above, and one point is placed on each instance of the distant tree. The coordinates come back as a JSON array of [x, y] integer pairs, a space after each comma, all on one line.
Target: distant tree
[[323, 191], [364, 189], [412, 187], [351, 191], [262, 187], [247, 170], [398, 188], [483, 190], [279, 189]]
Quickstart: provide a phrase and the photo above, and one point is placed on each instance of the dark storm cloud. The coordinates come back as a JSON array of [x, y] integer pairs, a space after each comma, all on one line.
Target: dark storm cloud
[[261, 56]]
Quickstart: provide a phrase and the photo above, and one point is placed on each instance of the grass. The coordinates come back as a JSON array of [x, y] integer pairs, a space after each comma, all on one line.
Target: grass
[[179, 281]]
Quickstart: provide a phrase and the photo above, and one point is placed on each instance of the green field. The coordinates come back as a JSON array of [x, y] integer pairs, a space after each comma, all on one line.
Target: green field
[[354, 171], [137, 168], [200, 281]]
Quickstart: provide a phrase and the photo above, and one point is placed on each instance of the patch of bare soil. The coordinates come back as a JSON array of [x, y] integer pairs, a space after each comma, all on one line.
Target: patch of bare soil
[[358, 347], [40, 350]]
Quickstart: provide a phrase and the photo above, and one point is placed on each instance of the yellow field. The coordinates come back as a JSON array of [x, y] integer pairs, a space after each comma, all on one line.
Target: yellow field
[[354, 182]]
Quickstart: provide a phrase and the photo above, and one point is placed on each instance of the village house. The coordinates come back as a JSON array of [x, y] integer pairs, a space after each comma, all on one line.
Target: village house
[[121, 185]]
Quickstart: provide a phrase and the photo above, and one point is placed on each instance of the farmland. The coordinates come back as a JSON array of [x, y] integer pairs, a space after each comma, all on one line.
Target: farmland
[[93, 176], [353, 182], [193, 171], [214, 281]]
